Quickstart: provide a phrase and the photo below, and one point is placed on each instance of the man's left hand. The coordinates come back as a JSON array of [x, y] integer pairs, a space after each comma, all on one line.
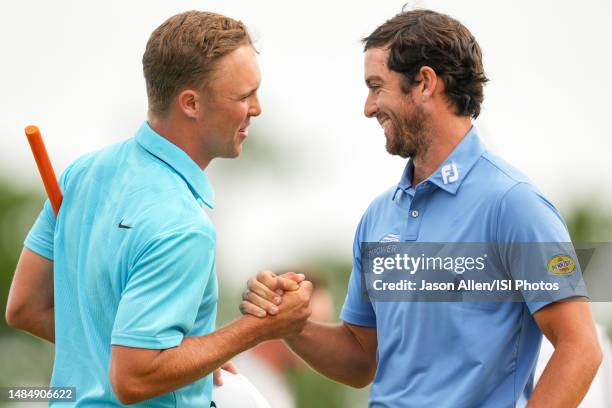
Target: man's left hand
[[229, 366]]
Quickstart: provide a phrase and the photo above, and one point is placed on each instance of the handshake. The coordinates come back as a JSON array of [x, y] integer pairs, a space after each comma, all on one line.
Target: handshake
[[279, 305]]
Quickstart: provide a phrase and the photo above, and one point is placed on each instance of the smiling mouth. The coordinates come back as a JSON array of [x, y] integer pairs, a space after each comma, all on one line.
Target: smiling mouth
[[385, 123]]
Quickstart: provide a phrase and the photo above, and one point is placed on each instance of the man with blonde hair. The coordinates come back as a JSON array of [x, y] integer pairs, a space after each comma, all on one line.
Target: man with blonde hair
[[123, 281]]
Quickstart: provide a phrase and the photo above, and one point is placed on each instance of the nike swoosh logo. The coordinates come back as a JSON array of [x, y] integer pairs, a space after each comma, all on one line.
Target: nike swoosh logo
[[122, 225]]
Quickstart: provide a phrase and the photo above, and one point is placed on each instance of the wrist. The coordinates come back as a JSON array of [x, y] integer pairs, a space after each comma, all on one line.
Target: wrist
[[254, 329], [293, 338]]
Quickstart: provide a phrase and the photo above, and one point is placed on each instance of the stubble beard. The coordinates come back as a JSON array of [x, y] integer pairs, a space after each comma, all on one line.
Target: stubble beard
[[412, 137]]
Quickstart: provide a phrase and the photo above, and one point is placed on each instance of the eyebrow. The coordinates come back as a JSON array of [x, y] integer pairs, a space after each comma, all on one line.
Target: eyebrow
[[369, 79], [249, 93]]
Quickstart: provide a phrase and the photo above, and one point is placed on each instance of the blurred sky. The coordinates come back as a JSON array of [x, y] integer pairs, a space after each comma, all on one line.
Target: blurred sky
[[74, 69]]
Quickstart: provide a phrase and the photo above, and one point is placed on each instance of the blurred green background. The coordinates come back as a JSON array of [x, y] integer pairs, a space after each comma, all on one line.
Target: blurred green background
[[26, 360]]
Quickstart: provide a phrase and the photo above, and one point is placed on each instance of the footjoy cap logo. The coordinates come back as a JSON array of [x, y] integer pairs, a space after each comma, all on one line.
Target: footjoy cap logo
[[561, 265], [449, 172]]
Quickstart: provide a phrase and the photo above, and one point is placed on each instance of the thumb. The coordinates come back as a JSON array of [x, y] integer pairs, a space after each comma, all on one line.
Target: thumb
[[307, 287], [286, 284], [297, 277]]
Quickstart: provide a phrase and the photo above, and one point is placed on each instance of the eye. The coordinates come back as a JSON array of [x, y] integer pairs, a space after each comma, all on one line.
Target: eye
[[374, 88]]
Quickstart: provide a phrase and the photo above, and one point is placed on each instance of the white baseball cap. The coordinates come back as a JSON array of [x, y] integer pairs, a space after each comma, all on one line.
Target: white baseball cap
[[237, 392]]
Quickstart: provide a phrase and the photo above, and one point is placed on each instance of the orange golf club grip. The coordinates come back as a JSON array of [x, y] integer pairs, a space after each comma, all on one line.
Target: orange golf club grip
[[44, 167]]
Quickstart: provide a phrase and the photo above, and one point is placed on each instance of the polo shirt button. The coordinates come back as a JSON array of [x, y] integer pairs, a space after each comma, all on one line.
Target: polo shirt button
[[414, 213]]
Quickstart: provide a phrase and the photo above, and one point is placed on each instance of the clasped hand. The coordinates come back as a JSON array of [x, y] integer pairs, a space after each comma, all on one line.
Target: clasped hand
[[283, 300]]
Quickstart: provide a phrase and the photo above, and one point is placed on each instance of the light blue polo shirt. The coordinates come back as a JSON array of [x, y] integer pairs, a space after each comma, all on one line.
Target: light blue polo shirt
[[134, 263], [455, 354]]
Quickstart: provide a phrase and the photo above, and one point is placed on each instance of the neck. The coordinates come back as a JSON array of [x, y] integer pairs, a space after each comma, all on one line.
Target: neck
[[445, 134], [182, 134]]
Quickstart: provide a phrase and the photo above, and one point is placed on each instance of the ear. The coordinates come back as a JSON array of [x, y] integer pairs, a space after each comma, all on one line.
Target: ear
[[429, 82], [189, 102]]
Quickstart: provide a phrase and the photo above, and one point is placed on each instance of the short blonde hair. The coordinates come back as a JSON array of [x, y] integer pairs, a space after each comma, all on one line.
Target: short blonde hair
[[183, 51]]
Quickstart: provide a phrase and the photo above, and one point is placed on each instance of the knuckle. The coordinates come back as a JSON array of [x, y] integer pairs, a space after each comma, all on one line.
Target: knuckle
[[264, 275]]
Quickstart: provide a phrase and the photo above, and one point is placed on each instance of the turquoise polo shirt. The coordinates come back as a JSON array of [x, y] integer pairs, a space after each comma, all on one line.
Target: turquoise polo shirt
[[134, 263], [456, 354]]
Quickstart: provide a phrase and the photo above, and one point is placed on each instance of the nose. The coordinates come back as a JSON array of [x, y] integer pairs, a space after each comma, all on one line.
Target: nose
[[370, 109], [255, 107]]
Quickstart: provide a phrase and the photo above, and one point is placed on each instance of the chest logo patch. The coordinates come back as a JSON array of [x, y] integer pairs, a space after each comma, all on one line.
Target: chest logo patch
[[390, 238], [449, 172], [561, 265]]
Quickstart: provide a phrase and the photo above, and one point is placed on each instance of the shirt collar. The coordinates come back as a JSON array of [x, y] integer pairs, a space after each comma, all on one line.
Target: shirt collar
[[454, 169], [177, 159]]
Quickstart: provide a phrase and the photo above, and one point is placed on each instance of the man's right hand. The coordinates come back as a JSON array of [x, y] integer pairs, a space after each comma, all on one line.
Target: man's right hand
[[264, 293], [285, 298]]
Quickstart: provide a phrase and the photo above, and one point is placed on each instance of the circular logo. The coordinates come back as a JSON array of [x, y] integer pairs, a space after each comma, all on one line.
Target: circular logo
[[561, 265]]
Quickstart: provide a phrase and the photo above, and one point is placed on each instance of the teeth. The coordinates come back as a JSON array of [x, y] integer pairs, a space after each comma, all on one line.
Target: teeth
[[385, 123]]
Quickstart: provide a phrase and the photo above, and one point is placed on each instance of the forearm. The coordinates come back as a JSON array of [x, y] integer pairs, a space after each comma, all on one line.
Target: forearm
[[195, 358], [333, 351], [567, 376], [139, 374]]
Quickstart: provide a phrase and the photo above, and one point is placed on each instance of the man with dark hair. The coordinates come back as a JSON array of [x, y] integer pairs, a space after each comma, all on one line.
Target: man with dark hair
[[123, 281], [425, 78]]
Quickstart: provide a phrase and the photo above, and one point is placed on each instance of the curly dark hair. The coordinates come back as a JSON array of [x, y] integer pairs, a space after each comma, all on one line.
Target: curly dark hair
[[418, 38]]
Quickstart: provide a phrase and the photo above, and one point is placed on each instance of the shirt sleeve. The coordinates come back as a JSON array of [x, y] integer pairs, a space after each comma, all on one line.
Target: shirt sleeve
[[535, 247], [164, 290], [357, 308], [40, 237]]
